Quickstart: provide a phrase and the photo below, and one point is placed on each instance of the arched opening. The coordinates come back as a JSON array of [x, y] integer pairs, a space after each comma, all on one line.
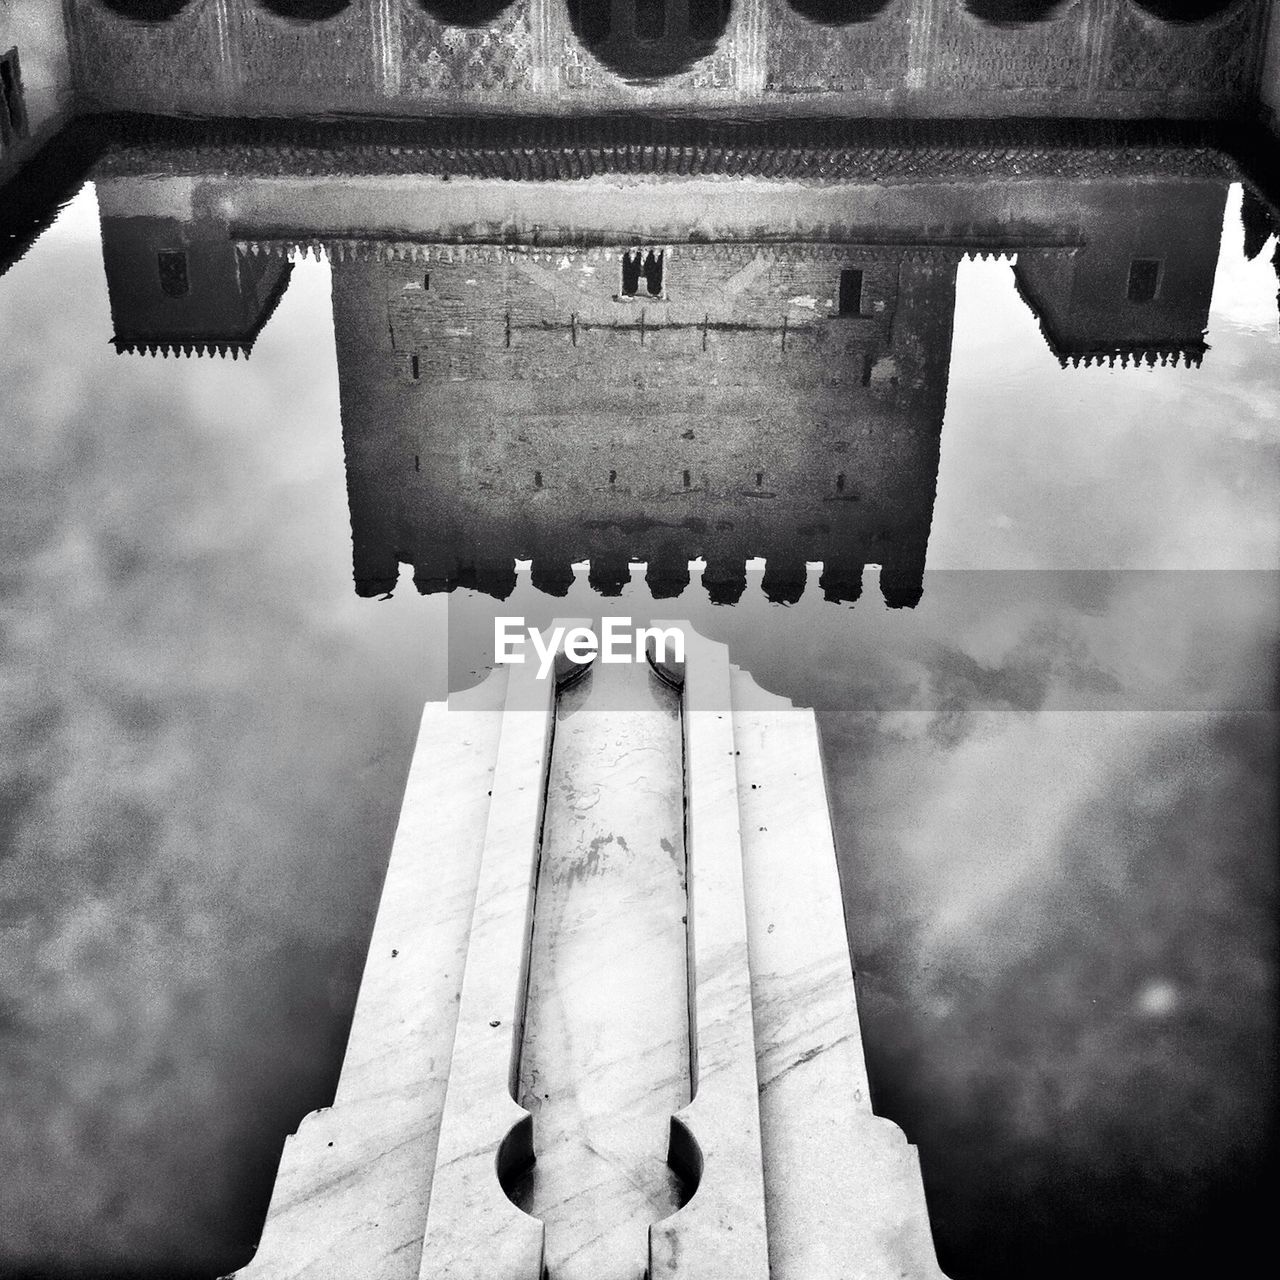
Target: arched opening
[[1014, 13], [839, 13], [645, 269], [1185, 10], [305, 10], [464, 13], [146, 10], [647, 40]]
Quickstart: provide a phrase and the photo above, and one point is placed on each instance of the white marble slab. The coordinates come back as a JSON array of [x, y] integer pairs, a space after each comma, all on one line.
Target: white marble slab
[[351, 1192], [721, 1231], [473, 1231], [605, 1056], [796, 1178], [844, 1196]]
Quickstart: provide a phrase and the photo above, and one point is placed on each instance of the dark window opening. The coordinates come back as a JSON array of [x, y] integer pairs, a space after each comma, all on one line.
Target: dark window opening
[[147, 10], [413, 366], [591, 17], [1012, 13], [1183, 11], [686, 480], [426, 280], [707, 18], [840, 13], [759, 478], [305, 10], [630, 274], [850, 292], [613, 477], [1144, 279], [13, 115], [653, 273], [651, 19], [537, 479], [453, 13], [172, 264], [840, 483]]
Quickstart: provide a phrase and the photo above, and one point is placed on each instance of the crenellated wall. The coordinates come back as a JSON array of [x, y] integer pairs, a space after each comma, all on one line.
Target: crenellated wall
[[512, 405], [1102, 58]]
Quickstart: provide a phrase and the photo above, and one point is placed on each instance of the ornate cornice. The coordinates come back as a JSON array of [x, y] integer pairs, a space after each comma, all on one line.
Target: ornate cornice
[[390, 249], [570, 148]]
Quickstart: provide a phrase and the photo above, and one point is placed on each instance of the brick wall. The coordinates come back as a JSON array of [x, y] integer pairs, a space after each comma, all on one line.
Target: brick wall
[[819, 441]]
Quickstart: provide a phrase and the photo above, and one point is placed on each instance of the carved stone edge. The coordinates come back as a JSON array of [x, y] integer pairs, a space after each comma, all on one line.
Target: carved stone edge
[[473, 1230], [715, 1140]]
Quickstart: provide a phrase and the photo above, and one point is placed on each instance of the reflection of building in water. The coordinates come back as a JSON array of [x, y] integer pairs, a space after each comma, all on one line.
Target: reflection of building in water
[[779, 401], [520, 381], [180, 287], [1140, 286]]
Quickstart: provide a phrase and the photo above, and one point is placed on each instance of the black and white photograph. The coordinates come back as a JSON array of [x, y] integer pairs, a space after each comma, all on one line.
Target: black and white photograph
[[639, 639]]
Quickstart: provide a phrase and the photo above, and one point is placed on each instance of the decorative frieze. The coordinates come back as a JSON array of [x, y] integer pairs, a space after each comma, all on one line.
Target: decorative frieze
[[929, 57]]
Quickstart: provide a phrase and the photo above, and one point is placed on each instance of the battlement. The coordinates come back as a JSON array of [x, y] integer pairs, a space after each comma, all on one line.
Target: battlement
[[126, 346], [784, 579]]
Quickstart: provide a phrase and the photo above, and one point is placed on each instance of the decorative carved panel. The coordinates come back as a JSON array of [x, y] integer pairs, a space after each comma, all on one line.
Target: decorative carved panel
[[808, 57], [968, 54], [1211, 59], [168, 66], [331, 62], [439, 59]]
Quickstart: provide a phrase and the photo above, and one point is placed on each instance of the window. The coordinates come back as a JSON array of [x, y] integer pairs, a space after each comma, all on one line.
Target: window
[[1144, 279], [13, 115], [653, 274], [630, 274], [850, 292], [707, 18], [172, 264], [651, 19], [639, 266]]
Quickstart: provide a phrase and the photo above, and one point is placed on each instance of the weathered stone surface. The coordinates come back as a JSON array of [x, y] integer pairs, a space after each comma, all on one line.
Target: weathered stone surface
[[1101, 58], [604, 1059], [36, 91], [351, 1193], [791, 1173]]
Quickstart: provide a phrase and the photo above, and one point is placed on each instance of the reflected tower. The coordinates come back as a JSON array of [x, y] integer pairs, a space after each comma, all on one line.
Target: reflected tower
[[740, 400]]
